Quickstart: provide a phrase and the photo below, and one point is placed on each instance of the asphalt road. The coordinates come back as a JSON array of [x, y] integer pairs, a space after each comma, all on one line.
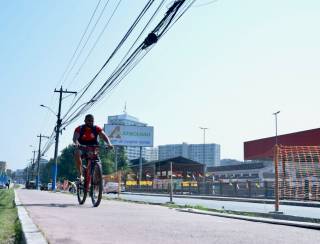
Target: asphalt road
[[62, 220], [309, 212]]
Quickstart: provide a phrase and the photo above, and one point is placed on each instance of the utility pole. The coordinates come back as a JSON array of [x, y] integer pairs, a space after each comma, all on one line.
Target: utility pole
[[171, 185], [140, 168], [27, 178], [32, 165], [116, 157], [59, 120], [38, 163]]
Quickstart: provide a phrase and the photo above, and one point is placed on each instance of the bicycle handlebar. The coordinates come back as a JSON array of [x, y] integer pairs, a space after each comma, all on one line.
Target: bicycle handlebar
[[92, 147]]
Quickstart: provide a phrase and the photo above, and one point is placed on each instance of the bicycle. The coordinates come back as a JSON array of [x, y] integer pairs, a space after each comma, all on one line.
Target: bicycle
[[92, 173]]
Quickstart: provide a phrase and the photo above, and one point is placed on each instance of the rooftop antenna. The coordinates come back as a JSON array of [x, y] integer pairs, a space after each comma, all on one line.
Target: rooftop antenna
[[125, 108]]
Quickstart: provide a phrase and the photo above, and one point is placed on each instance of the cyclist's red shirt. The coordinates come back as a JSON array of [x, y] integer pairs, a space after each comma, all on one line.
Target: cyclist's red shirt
[[88, 135]]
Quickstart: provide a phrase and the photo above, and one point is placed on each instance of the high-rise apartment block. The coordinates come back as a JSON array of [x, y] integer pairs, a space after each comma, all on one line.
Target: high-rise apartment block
[[203, 153], [3, 166]]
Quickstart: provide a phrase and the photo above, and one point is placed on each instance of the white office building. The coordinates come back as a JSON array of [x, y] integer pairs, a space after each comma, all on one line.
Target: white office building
[[125, 119], [148, 153], [203, 153]]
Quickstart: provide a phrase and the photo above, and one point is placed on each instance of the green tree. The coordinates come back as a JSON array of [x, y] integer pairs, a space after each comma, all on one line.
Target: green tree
[[122, 158], [46, 172], [107, 159], [67, 168], [66, 164]]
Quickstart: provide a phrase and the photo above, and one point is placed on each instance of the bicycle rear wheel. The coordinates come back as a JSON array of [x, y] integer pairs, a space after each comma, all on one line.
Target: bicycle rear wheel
[[96, 185], [81, 189]]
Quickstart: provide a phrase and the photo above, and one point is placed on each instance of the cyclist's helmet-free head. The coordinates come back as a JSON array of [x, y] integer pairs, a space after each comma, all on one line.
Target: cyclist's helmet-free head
[[89, 119]]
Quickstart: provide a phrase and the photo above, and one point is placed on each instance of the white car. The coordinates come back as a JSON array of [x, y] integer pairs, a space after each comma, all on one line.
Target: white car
[[112, 187], [49, 186]]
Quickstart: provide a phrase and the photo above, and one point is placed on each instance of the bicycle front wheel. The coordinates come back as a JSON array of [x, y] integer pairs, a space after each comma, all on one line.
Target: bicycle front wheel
[[81, 189], [96, 185]]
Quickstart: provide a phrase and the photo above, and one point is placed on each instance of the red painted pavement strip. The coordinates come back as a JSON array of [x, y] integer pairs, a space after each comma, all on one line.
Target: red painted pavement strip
[[63, 221]]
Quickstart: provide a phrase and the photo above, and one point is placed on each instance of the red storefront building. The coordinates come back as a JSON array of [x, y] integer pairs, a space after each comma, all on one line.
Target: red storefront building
[[262, 149]]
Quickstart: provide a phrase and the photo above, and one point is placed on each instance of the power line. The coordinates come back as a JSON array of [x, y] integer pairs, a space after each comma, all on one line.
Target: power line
[[87, 40], [79, 43], [205, 4], [152, 38], [72, 57], [94, 45], [126, 65], [144, 10]]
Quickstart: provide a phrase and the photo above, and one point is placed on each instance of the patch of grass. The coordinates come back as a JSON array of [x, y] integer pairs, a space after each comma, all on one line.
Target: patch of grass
[[10, 227]]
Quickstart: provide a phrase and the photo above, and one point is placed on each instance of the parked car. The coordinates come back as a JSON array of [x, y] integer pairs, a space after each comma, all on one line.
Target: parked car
[[112, 187], [44, 187], [31, 185], [2, 185], [49, 186]]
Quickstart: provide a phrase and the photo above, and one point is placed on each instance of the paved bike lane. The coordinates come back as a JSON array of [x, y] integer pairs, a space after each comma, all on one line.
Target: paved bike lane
[[62, 220]]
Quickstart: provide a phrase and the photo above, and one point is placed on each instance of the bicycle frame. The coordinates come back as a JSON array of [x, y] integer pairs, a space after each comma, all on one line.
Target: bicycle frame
[[93, 182], [91, 156]]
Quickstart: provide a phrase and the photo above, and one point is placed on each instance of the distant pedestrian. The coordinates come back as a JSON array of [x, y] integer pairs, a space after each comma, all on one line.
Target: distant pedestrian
[[8, 184]]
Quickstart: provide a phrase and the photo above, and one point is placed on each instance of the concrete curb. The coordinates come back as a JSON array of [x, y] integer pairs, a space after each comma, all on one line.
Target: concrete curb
[[31, 233], [233, 199], [255, 219]]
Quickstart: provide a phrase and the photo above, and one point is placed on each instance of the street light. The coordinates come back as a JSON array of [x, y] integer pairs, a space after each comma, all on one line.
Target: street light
[[204, 141], [38, 161], [204, 154], [44, 106], [276, 188], [276, 120], [57, 130]]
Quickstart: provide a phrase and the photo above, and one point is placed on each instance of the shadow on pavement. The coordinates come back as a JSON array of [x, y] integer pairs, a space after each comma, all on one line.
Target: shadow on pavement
[[54, 205]]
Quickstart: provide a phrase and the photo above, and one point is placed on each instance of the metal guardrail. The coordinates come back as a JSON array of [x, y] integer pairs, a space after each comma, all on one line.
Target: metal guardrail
[[246, 189]]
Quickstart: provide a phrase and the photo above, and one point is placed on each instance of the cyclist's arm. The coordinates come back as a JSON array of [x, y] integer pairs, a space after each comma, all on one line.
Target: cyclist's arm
[[105, 138], [76, 136]]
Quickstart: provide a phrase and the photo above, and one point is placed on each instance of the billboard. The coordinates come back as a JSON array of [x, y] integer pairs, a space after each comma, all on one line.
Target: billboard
[[135, 136]]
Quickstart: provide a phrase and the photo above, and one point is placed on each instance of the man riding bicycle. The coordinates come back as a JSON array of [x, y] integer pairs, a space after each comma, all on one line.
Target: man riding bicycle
[[87, 134]]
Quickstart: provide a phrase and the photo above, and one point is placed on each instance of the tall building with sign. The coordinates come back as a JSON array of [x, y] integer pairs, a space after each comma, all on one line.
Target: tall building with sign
[[126, 130], [202, 153], [3, 166]]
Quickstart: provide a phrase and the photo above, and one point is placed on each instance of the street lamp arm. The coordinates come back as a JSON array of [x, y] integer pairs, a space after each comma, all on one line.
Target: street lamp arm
[[276, 112], [44, 106]]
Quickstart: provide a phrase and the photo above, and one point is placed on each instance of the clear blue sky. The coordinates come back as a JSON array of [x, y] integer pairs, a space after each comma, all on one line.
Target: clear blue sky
[[227, 66]]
